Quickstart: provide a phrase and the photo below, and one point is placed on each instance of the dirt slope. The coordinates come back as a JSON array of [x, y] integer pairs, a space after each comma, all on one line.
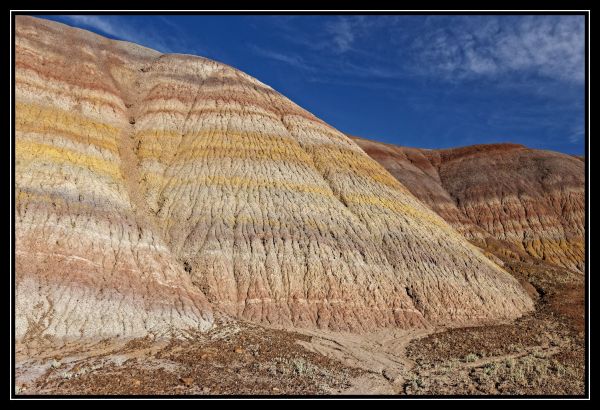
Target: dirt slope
[[152, 189]]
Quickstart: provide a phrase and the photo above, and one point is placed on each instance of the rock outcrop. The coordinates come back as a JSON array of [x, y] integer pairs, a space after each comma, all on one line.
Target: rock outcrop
[[89, 257], [152, 189], [532, 200]]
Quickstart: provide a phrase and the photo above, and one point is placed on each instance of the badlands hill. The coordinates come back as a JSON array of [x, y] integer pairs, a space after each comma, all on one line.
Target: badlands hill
[[527, 202], [155, 189]]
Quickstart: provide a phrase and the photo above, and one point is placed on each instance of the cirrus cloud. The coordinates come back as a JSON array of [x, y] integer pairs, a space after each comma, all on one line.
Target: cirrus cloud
[[462, 47]]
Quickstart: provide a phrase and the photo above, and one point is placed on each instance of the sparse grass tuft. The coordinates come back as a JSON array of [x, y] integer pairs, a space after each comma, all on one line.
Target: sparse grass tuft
[[471, 357]]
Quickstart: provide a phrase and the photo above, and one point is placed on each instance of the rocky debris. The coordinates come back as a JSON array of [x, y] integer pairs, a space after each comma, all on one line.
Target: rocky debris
[[284, 367], [187, 381], [222, 195], [391, 375], [532, 201], [540, 353]]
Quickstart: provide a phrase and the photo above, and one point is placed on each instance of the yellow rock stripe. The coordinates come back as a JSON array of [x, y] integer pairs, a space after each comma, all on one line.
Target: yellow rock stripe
[[235, 182], [400, 208], [39, 119], [31, 151]]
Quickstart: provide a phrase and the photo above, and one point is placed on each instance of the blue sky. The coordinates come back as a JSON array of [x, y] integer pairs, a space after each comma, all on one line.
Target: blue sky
[[422, 81]]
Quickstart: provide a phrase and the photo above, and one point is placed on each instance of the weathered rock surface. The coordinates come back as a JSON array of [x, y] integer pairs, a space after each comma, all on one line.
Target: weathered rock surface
[[89, 259], [151, 187], [533, 200]]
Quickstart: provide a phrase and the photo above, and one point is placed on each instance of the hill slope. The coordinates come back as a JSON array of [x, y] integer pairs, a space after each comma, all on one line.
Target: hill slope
[[152, 189], [533, 200]]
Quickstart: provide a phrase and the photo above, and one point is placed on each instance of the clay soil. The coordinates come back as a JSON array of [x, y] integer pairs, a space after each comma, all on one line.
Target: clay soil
[[234, 359], [540, 354]]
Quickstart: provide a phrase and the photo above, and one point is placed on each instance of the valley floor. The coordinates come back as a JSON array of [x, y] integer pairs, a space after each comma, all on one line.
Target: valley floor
[[540, 354]]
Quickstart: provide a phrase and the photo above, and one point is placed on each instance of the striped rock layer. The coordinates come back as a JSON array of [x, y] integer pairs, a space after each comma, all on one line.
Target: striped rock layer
[[152, 188], [531, 200], [89, 262]]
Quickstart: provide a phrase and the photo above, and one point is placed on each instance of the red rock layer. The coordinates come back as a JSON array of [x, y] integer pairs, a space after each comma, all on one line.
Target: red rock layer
[[532, 198]]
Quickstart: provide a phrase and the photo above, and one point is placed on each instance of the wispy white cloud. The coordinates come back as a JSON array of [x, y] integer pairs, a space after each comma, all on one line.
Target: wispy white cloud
[[329, 48], [550, 46], [577, 134], [331, 70], [289, 59], [342, 33], [98, 23], [108, 25], [112, 26], [536, 57], [451, 48]]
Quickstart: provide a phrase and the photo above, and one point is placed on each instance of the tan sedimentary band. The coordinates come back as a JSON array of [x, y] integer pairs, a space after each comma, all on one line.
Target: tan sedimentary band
[[158, 179], [57, 91]]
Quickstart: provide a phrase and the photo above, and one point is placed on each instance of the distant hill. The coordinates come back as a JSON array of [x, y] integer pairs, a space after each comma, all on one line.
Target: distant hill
[[533, 200]]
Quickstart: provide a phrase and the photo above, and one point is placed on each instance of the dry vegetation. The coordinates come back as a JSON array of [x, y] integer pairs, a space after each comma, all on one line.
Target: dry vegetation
[[235, 358], [539, 354]]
